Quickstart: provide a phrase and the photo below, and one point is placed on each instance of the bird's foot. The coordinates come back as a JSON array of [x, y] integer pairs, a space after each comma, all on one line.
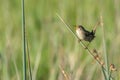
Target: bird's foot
[[79, 40]]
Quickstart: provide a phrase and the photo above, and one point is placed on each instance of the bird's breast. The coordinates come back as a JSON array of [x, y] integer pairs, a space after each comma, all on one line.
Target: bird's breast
[[80, 34]]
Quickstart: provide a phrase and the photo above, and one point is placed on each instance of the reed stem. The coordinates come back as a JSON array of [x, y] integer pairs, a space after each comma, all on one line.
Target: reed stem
[[24, 42]]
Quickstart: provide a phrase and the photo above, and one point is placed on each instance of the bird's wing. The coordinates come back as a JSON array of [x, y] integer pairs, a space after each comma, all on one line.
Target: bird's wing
[[87, 33]]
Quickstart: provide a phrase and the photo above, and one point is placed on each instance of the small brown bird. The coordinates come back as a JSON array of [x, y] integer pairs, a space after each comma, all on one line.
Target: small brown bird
[[83, 34]]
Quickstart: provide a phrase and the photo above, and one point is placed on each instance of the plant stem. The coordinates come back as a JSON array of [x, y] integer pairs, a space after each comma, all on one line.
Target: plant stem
[[29, 65], [24, 42], [104, 49]]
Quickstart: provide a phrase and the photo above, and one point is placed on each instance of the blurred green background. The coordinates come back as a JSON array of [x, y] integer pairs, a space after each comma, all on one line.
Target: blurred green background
[[50, 42]]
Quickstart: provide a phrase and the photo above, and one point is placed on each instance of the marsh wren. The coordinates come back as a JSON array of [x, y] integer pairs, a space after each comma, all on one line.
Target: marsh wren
[[83, 34]]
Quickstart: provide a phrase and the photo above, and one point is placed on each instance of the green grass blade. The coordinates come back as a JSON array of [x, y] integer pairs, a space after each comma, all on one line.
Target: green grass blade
[[24, 42], [29, 65], [105, 51]]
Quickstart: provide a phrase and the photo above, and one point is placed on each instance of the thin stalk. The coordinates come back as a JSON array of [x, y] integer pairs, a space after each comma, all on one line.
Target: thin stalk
[[24, 42], [64, 73], [104, 49], [110, 75], [104, 74], [29, 65]]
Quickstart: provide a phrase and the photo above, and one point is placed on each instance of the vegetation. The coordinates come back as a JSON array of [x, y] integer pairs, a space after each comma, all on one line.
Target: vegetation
[[55, 53]]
